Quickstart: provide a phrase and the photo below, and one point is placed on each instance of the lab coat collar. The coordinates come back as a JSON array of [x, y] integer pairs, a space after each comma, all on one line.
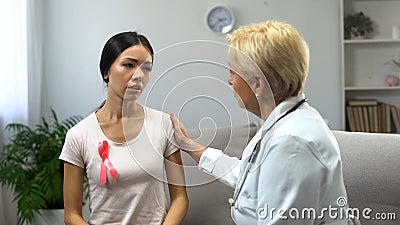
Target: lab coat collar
[[281, 109]]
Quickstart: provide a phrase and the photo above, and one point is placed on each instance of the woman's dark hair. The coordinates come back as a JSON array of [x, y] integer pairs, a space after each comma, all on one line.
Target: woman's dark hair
[[117, 44]]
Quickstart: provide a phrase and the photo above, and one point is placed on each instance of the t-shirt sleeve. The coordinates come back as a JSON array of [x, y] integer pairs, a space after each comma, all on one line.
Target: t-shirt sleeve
[[171, 145], [73, 148]]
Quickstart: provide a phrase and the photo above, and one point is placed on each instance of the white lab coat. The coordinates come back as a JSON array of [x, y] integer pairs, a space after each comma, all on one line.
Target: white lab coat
[[298, 169]]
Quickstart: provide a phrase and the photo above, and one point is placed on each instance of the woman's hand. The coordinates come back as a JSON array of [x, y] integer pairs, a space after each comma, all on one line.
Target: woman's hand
[[185, 143]]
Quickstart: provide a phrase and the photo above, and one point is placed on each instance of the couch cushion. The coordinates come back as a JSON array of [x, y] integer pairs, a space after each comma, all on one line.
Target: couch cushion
[[371, 166], [208, 198]]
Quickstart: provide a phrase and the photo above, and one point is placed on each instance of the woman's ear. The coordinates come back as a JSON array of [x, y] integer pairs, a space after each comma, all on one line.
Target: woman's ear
[[105, 76], [259, 85]]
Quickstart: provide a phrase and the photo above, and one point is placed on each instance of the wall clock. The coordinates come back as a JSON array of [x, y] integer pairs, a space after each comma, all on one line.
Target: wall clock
[[220, 19]]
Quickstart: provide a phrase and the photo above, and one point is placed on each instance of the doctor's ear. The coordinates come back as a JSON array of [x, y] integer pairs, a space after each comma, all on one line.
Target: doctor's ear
[[259, 84]]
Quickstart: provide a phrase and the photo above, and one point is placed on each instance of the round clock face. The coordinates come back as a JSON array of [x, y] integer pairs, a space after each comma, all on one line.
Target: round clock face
[[220, 19]]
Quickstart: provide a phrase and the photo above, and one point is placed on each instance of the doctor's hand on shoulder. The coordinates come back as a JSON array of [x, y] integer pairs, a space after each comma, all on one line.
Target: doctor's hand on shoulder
[[185, 143]]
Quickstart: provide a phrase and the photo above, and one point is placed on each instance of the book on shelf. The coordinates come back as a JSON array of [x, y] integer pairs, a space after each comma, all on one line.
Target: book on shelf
[[395, 113], [360, 115], [388, 119], [373, 116], [362, 102], [366, 120], [374, 120], [350, 118], [381, 118], [357, 118]]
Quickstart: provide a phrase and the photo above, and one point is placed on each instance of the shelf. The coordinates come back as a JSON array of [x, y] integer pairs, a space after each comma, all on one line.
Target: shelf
[[364, 61], [370, 41], [397, 88]]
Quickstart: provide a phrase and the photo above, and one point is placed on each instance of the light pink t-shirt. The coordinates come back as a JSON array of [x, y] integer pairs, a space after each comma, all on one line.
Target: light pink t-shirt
[[137, 195]]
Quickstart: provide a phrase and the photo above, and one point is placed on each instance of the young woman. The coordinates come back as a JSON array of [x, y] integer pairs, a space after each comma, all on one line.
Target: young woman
[[124, 149]]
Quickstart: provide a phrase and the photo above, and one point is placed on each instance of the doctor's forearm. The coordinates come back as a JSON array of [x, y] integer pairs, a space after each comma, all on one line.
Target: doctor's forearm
[[196, 154]]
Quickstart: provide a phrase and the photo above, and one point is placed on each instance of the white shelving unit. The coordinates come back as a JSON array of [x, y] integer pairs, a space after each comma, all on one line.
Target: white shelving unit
[[364, 61]]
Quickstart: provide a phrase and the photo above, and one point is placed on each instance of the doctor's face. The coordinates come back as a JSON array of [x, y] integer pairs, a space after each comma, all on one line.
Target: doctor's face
[[242, 92]]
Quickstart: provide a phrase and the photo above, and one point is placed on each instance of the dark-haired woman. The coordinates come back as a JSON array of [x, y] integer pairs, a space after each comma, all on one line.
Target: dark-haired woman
[[124, 149]]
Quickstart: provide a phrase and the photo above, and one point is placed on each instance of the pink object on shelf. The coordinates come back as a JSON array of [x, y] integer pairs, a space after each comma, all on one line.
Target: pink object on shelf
[[391, 80]]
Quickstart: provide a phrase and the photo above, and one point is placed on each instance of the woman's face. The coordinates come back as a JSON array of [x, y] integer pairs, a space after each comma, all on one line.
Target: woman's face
[[242, 92], [130, 73]]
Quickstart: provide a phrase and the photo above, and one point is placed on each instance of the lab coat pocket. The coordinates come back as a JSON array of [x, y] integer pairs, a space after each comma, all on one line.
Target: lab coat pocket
[[247, 205], [244, 211]]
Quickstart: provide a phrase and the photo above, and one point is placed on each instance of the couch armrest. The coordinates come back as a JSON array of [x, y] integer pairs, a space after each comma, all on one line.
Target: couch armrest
[[371, 168]]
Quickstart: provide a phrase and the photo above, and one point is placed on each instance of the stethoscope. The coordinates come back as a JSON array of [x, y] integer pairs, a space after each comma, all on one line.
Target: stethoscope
[[255, 152]]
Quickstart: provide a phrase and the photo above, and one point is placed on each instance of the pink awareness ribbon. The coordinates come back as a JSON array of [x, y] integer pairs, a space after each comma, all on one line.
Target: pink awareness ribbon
[[105, 163]]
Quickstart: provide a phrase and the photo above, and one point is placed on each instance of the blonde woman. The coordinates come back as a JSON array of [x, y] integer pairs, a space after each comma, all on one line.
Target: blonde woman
[[291, 171]]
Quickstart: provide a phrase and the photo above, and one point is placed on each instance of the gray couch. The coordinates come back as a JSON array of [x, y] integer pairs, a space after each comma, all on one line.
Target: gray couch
[[371, 165]]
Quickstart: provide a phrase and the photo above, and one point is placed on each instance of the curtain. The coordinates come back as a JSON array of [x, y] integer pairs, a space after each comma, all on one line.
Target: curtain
[[35, 59], [13, 59], [21, 69]]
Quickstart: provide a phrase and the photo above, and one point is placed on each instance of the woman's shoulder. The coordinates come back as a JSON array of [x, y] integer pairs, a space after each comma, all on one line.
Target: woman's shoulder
[[152, 110], [85, 124], [154, 113], [158, 118]]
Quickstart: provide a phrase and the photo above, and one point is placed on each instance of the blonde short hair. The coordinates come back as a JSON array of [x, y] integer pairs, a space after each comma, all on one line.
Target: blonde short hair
[[280, 53]]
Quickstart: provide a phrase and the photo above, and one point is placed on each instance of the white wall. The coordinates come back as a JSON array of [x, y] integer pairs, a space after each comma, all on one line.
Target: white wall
[[75, 32]]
